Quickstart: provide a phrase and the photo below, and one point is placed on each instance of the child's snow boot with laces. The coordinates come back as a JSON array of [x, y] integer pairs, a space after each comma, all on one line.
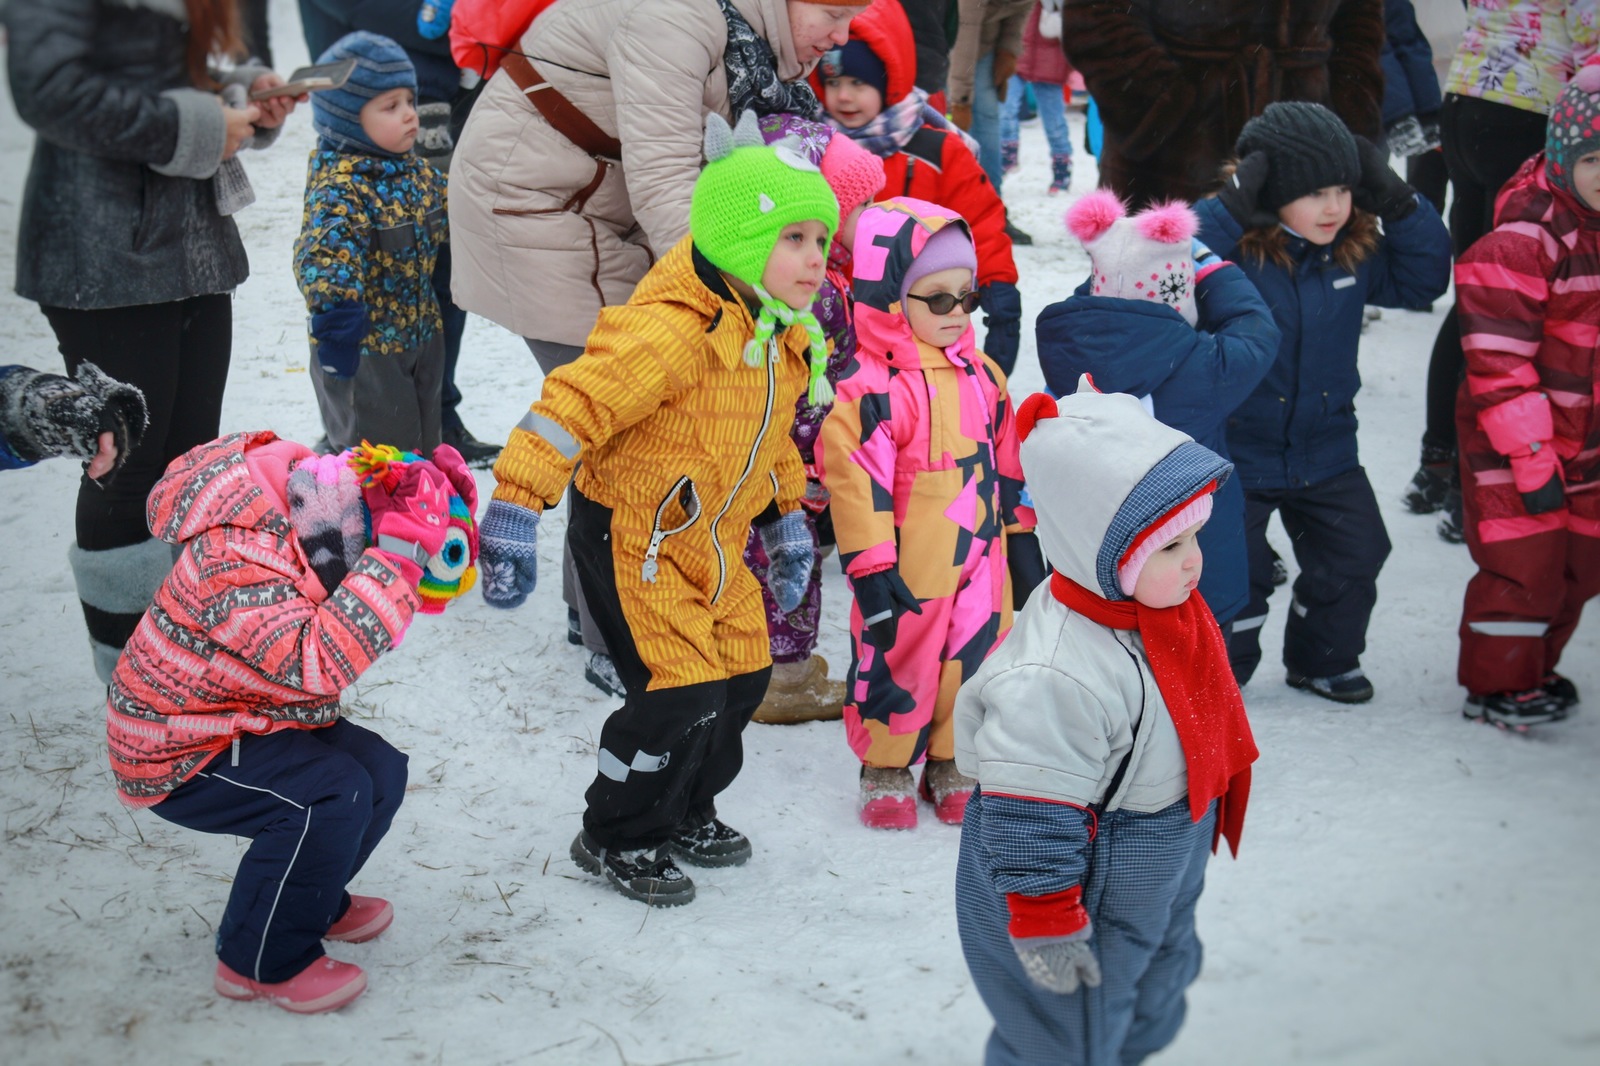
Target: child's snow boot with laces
[[710, 844], [1431, 483], [644, 874], [1514, 710]]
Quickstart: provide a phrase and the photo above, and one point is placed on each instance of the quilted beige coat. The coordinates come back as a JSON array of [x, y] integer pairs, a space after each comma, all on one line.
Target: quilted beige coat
[[645, 71]]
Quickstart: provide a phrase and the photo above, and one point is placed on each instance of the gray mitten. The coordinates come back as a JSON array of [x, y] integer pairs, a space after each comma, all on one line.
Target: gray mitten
[[791, 554], [44, 415], [1059, 963]]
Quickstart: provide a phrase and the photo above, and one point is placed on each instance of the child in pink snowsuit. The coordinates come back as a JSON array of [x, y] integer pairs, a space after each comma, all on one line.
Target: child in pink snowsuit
[[920, 457]]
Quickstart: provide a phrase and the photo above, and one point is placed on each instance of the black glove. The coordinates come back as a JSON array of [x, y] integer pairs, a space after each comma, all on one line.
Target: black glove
[[1026, 562], [1242, 191], [1547, 497], [45, 415], [1002, 313], [1381, 191], [883, 597]]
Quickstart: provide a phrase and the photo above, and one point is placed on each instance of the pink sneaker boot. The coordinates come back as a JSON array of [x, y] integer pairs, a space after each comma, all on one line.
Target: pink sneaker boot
[[887, 799], [367, 917], [948, 789], [325, 985]]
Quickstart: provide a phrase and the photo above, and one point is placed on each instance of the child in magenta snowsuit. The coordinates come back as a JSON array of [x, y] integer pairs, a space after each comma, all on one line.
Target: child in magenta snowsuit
[[920, 458]]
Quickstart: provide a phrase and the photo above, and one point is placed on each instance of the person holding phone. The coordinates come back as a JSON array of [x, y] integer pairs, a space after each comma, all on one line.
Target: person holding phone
[[128, 244]]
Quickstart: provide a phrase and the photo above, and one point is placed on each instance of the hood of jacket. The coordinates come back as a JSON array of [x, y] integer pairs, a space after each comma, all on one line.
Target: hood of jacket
[[1100, 470], [883, 27], [1529, 197], [889, 236], [239, 480]]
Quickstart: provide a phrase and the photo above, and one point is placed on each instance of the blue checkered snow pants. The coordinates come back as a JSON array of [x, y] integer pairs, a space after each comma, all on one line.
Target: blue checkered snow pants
[[1145, 877]]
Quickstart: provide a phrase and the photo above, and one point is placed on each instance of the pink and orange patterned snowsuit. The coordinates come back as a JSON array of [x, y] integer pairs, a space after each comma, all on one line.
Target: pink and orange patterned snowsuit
[[920, 457]]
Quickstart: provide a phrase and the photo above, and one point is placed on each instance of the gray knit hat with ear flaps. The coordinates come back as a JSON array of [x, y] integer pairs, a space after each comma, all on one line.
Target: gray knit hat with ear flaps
[[1308, 148]]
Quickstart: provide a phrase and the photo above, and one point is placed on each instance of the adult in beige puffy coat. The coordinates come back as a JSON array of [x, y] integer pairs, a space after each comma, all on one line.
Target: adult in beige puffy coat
[[646, 72]]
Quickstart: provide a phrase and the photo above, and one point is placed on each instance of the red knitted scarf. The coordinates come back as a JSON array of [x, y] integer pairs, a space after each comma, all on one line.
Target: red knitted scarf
[[1190, 664]]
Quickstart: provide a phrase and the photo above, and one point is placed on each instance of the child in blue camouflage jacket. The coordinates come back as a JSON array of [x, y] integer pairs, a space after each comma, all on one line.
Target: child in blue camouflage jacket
[[374, 223]]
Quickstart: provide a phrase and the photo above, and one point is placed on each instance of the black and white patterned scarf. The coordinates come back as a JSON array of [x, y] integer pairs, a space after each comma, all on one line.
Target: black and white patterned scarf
[[753, 83]]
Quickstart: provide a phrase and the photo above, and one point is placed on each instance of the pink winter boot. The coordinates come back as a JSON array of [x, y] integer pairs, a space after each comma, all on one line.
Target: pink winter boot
[[887, 800], [325, 985], [948, 789], [367, 917]]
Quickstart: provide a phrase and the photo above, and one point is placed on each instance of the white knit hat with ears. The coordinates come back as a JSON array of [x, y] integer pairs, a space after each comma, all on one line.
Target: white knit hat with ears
[[1147, 256]]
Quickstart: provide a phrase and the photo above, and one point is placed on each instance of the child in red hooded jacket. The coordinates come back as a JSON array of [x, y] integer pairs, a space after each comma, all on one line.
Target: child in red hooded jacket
[[868, 90]]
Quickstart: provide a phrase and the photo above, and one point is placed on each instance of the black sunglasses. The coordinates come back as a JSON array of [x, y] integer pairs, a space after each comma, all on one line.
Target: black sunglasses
[[942, 303]]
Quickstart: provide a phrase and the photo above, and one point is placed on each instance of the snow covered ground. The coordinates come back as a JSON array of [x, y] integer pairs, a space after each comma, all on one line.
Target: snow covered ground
[[1413, 888]]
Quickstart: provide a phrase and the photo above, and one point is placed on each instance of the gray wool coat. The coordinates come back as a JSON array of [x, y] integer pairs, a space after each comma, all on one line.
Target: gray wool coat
[[119, 208]]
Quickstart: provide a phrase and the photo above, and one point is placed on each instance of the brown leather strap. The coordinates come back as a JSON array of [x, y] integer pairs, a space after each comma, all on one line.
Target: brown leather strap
[[563, 116]]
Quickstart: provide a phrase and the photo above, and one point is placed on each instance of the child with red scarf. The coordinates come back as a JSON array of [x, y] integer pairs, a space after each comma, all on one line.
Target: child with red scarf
[[1109, 742]]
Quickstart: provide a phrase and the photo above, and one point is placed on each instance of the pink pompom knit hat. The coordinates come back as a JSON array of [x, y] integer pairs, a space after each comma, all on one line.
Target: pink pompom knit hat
[[1147, 256], [854, 174]]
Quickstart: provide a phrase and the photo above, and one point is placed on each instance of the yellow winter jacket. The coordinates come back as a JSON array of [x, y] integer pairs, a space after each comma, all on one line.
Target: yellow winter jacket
[[678, 435]]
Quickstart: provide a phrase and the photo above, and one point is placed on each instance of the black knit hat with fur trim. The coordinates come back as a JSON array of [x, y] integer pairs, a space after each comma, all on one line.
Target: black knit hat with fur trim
[[1307, 146]]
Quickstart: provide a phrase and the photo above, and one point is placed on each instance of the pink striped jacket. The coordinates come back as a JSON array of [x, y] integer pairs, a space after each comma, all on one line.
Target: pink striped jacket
[[1529, 300], [242, 637]]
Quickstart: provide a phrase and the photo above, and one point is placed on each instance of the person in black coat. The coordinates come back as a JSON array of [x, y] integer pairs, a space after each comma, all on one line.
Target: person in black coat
[[127, 242]]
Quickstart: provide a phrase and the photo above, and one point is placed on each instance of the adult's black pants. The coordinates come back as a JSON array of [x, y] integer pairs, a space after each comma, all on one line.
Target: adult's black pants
[[1484, 145], [177, 354]]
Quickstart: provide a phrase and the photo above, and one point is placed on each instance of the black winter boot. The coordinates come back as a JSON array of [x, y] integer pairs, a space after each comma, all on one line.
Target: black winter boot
[[1430, 485], [644, 874]]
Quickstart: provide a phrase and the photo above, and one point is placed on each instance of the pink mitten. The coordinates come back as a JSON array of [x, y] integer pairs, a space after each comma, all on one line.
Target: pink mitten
[[1533, 471]]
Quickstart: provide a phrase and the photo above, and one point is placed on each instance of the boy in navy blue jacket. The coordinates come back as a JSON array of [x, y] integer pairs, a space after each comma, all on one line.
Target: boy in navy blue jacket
[[1299, 214], [1192, 336]]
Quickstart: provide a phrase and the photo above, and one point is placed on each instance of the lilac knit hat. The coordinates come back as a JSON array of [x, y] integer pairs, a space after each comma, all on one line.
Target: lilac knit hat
[[949, 248]]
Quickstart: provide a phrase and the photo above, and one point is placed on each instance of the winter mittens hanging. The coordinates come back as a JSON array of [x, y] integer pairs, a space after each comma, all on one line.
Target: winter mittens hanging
[[45, 415], [790, 556], [509, 553]]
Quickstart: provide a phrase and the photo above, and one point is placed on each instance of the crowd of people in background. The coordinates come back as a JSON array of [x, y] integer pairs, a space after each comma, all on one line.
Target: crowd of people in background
[[758, 231]]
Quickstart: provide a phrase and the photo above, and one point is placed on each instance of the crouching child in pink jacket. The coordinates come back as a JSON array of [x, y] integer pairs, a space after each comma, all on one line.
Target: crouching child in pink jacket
[[294, 573]]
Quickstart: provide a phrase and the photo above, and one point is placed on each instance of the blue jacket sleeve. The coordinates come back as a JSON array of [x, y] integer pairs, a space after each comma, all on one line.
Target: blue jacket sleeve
[[1412, 265], [1032, 847], [1219, 230], [1197, 376], [1002, 307]]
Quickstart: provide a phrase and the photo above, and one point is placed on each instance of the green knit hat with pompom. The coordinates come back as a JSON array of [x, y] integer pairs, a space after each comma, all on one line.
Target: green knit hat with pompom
[[746, 195]]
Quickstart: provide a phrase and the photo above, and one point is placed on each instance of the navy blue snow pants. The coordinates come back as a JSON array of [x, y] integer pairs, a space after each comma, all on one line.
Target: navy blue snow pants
[[314, 802], [1339, 541], [1146, 872]]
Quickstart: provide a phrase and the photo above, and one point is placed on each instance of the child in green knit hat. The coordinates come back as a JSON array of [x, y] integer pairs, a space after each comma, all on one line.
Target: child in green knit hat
[[757, 215], [679, 410]]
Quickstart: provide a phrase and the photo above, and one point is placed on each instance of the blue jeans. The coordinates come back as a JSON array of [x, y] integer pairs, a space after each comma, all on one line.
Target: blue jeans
[[1052, 112], [986, 120]]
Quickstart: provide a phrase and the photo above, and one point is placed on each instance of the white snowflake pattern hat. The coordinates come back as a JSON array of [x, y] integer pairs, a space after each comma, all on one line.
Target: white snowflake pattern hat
[[1148, 256]]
